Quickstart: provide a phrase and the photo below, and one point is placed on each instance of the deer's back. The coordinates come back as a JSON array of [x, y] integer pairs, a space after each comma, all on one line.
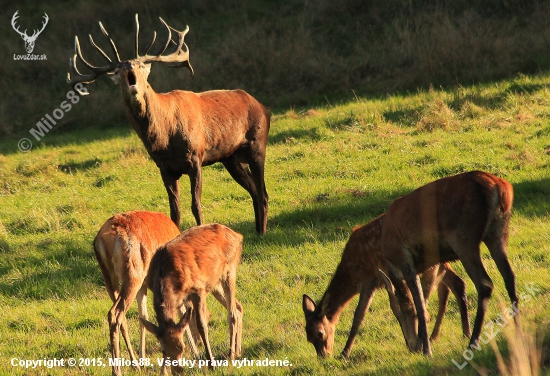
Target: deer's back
[[195, 261], [461, 206], [128, 240]]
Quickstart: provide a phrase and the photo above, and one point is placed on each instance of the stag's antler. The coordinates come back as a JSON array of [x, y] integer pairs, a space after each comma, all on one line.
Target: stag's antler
[[96, 71], [179, 56]]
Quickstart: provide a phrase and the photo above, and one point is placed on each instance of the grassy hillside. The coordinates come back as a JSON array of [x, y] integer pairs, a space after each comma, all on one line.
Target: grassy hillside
[[329, 168], [286, 53]]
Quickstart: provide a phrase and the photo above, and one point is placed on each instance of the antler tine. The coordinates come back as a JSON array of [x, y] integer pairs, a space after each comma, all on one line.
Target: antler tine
[[179, 56], [110, 41], [99, 49], [152, 42], [96, 71], [168, 39], [137, 36]]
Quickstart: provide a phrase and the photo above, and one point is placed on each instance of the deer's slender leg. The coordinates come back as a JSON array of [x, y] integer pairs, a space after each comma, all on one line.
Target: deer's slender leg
[[443, 297], [365, 298], [413, 282], [458, 287], [471, 259]]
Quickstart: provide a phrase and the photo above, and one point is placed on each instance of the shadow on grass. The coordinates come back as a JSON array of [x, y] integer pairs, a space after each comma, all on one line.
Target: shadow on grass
[[294, 134], [326, 220], [64, 138], [531, 198], [54, 269]]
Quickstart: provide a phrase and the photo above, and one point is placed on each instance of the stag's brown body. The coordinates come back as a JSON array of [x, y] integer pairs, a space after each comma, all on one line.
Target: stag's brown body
[[359, 273], [184, 131], [124, 247], [201, 260]]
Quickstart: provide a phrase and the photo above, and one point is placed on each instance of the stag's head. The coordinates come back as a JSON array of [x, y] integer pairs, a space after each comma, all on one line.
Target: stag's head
[[170, 337], [29, 40], [131, 75], [402, 306], [319, 329]]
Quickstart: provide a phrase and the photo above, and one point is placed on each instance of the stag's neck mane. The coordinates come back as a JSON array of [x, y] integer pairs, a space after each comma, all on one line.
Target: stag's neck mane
[[152, 118]]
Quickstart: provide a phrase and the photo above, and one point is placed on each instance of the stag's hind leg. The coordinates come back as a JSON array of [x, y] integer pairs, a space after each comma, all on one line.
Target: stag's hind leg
[[243, 175], [256, 164]]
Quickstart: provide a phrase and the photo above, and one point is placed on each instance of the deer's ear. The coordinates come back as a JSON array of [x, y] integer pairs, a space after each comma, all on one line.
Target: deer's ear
[[184, 321], [308, 305], [150, 327]]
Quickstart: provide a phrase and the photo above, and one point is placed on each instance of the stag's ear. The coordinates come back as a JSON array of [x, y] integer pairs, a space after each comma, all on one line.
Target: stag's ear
[[150, 327], [115, 77], [147, 70], [308, 305]]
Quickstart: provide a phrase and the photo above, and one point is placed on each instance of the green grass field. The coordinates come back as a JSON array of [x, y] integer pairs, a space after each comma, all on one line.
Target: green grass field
[[328, 169]]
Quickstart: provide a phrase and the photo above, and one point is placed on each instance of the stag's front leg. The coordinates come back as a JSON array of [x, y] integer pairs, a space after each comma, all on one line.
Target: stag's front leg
[[172, 186], [195, 177]]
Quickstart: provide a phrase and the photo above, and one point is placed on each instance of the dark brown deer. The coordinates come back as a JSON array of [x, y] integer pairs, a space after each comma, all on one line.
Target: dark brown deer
[[183, 131], [185, 270], [447, 220], [124, 247], [362, 271]]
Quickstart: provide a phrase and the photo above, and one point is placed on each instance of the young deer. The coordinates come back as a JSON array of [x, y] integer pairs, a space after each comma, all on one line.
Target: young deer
[[362, 270], [124, 247], [443, 221], [200, 260], [183, 131]]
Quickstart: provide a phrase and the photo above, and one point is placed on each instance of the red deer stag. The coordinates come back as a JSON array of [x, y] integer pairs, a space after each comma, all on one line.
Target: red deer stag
[[185, 270], [124, 247], [183, 131], [447, 220], [361, 271]]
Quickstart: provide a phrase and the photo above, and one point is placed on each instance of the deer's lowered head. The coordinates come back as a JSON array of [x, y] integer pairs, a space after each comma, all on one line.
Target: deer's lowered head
[[170, 337]]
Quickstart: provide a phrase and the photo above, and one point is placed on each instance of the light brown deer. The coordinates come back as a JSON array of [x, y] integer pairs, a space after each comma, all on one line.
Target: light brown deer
[[443, 221], [362, 271], [185, 270], [124, 247], [183, 131]]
